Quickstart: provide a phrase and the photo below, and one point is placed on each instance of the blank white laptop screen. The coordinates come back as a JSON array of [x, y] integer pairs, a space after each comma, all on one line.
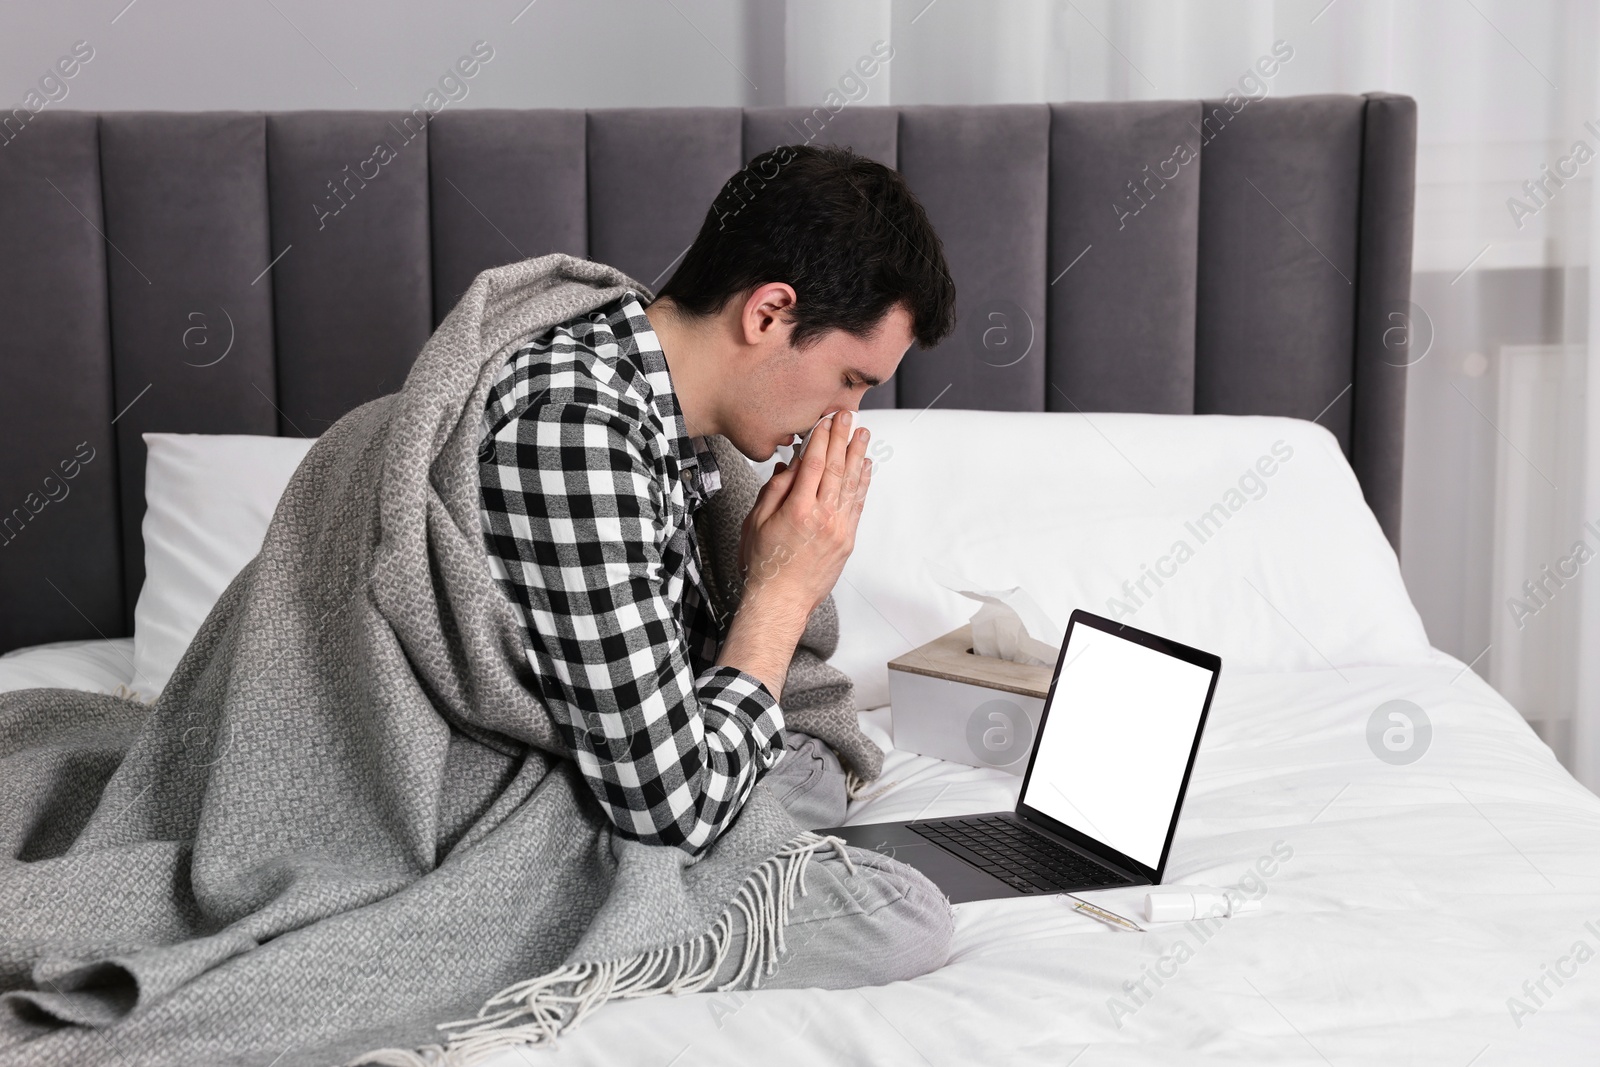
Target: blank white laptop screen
[[1116, 742]]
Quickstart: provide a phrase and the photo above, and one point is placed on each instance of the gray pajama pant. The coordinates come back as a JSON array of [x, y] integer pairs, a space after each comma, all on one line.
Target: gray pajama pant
[[880, 923]]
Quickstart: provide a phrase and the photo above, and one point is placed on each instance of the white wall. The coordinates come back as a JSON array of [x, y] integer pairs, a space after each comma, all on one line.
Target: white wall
[[293, 54]]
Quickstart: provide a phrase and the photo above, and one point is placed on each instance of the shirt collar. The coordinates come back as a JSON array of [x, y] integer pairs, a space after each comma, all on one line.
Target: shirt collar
[[637, 341]]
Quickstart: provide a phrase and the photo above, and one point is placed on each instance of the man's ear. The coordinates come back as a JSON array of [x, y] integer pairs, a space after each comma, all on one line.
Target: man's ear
[[766, 313]]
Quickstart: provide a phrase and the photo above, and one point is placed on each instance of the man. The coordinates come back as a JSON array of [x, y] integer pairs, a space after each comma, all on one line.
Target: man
[[810, 278]]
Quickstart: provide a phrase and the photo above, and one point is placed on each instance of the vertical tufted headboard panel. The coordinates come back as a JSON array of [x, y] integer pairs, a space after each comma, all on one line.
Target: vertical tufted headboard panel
[[228, 272]]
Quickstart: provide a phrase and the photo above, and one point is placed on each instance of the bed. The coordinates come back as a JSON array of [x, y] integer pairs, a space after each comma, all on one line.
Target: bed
[[1409, 913], [1122, 370]]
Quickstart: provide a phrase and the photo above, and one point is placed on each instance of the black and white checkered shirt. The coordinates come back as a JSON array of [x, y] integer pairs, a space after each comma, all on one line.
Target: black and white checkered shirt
[[589, 485]]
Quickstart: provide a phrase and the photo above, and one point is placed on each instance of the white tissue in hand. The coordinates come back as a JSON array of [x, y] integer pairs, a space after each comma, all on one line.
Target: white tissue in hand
[[1008, 625]]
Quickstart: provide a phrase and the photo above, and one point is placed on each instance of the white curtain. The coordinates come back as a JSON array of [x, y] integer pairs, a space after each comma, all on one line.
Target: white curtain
[[1501, 538]]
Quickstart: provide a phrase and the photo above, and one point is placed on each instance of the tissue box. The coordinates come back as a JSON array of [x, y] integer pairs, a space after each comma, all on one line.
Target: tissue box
[[954, 704]]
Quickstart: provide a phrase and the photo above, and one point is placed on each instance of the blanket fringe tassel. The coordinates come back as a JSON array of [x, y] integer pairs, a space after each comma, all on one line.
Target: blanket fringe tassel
[[537, 1011], [854, 784]]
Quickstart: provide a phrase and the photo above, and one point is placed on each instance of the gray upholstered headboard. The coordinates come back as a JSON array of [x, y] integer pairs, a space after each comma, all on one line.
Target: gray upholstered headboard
[[1262, 268]]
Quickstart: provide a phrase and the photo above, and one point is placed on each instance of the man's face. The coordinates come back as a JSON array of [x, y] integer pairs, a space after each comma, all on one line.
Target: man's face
[[786, 391]]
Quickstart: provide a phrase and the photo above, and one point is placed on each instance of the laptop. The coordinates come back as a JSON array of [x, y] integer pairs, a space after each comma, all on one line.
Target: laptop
[[1105, 780]]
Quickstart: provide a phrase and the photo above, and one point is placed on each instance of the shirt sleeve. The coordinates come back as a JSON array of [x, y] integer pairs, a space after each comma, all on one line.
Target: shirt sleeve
[[574, 515]]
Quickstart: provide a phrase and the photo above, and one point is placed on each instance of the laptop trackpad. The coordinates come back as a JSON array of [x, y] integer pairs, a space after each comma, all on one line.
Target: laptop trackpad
[[958, 879]]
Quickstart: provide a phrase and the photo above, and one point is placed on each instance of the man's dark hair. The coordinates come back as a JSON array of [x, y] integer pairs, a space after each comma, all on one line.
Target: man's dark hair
[[843, 230]]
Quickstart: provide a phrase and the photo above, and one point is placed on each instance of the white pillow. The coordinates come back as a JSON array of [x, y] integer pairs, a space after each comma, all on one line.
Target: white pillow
[[99, 666], [1070, 507], [208, 500], [1291, 573]]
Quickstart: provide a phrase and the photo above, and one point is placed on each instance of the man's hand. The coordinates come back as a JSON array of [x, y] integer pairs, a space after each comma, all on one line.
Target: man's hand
[[802, 528], [794, 544]]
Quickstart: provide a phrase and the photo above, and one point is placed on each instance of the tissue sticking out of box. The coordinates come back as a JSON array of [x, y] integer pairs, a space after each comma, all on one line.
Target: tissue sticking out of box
[[1008, 625]]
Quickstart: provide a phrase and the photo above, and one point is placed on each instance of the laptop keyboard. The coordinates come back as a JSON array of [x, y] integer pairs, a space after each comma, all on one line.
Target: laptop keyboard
[[1027, 862]]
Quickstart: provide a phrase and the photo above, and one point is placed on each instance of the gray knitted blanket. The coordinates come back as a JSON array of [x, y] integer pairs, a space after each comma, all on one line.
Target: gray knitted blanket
[[347, 830]]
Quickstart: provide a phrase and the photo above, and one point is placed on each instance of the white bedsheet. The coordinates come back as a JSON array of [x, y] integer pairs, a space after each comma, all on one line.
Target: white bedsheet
[[1418, 900]]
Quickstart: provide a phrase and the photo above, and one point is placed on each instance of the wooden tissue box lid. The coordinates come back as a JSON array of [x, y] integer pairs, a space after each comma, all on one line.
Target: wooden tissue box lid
[[949, 657]]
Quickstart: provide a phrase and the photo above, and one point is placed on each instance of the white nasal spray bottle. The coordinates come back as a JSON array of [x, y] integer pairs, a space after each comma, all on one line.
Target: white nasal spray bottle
[[1176, 904]]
